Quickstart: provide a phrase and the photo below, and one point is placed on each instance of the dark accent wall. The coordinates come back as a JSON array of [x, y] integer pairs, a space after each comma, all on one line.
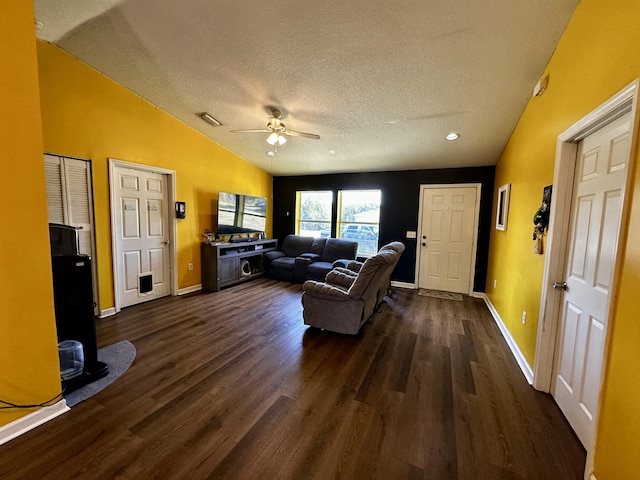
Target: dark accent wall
[[399, 209]]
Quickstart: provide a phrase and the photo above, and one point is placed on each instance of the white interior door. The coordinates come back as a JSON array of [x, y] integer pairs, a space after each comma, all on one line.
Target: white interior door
[[447, 238], [142, 236], [596, 209]]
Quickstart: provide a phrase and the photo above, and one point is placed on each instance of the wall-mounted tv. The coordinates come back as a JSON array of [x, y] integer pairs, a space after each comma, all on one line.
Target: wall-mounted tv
[[241, 214]]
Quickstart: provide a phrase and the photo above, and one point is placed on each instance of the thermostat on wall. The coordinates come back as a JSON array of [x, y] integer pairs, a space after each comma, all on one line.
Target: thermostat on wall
[[181, 210]]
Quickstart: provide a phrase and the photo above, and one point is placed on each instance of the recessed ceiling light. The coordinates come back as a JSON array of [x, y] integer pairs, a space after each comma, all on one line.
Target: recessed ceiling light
[[209, 119], [39, 25], [452, 136], [332, 151]]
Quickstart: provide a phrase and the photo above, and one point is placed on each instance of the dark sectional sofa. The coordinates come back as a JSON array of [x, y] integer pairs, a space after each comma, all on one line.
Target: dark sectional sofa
[[307, 258]]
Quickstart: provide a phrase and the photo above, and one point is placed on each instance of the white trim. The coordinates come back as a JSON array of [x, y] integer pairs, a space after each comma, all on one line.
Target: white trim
[[476, 220], [108, 312], [29, 422], [191, 289], [558, 233], [478, 295], [513, 346], [624, 101], [502, 211], [411, 286], [172, 223]]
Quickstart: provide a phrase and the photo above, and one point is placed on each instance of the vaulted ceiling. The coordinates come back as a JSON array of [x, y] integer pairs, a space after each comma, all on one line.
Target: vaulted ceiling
[[382, 83]]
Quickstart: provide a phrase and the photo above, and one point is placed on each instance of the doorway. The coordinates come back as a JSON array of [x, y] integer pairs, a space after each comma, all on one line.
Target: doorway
[[586, 225], [70, 202], [447, 237], [143, 232]]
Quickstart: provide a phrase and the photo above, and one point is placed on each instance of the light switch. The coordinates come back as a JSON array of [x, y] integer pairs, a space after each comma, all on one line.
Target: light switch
[[411, 234]]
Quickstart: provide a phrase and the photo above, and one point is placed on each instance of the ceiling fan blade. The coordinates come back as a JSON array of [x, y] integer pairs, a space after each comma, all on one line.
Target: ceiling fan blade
[[262, 130], [293, 133]]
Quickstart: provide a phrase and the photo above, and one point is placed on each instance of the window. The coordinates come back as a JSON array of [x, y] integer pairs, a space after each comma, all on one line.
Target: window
[[313, 213], [359, 218]]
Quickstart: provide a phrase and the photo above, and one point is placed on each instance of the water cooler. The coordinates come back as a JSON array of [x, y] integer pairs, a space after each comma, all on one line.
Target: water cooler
[[73, 299]]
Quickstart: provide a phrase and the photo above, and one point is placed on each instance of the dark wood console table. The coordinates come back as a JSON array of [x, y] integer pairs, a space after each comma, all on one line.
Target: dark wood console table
[[226, 264]]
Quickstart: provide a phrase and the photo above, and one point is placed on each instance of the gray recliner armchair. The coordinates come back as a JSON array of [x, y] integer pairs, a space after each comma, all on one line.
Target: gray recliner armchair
[[384, 279], [347, 299]]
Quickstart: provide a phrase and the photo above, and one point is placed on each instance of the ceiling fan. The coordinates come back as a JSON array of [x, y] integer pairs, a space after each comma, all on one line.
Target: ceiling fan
[[277, 130]]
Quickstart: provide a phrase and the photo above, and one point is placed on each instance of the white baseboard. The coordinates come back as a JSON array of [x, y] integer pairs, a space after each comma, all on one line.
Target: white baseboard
[[411, 286], [191, 289], [31, 421], [513, 346], [107, 312]]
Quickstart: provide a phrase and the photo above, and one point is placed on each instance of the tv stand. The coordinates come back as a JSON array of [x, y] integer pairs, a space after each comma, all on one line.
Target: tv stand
[[226, 264], [243, 240]]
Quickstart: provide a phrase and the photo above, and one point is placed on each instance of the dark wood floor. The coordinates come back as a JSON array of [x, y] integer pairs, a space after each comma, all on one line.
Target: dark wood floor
[[233, 385]]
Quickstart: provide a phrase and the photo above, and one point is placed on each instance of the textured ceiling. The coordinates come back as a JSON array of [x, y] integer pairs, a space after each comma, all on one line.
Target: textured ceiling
[[381, 82]]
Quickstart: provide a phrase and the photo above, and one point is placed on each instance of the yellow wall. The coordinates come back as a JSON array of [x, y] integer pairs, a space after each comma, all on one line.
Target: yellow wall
[[87, 115], [598, 55], [29, 371]]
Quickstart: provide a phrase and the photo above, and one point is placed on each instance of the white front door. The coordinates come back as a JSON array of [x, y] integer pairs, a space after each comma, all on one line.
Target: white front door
[[447, 238], [142, 236], [600, 177]]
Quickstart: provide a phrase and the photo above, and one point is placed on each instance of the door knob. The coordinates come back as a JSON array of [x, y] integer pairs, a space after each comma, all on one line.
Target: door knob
[[560, 286], [424, 244], [167, 242]]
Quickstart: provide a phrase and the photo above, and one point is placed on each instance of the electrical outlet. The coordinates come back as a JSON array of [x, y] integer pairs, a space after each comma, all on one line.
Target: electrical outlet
[[495, 284], [524, 317], [191, 266]]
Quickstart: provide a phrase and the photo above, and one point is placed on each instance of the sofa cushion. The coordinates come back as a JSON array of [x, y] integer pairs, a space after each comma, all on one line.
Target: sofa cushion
[[282, 268], [318, 270], [295, 245], [317, 246], [338, 277], [336, 249], [272, 255]]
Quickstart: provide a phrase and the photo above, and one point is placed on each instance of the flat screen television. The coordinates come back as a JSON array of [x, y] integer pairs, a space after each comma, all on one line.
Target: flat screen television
[[241, 214]]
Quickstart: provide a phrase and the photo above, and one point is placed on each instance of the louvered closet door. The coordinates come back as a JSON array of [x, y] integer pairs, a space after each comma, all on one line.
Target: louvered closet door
[[70, 200], [69, 196]]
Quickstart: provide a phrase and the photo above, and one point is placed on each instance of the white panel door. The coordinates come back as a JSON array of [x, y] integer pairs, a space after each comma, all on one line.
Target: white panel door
[[142, 237], [447, 238], [601, 170]]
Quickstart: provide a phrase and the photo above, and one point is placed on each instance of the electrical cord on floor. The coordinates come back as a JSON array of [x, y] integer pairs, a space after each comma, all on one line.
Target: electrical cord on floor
[[4, 405]]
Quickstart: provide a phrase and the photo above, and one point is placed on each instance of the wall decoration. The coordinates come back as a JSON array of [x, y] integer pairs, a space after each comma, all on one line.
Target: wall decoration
[[541, 220], [503, 207]]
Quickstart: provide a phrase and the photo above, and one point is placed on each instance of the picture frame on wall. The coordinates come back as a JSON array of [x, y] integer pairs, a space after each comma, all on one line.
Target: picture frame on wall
[[502, 212]]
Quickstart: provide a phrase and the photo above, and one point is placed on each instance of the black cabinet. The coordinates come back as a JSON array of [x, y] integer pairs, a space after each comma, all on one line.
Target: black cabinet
[[73, 299]]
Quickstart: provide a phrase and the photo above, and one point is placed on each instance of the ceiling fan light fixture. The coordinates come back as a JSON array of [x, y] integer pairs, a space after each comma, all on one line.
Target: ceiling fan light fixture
[[271, 153], [275, 137], [272, 139]]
